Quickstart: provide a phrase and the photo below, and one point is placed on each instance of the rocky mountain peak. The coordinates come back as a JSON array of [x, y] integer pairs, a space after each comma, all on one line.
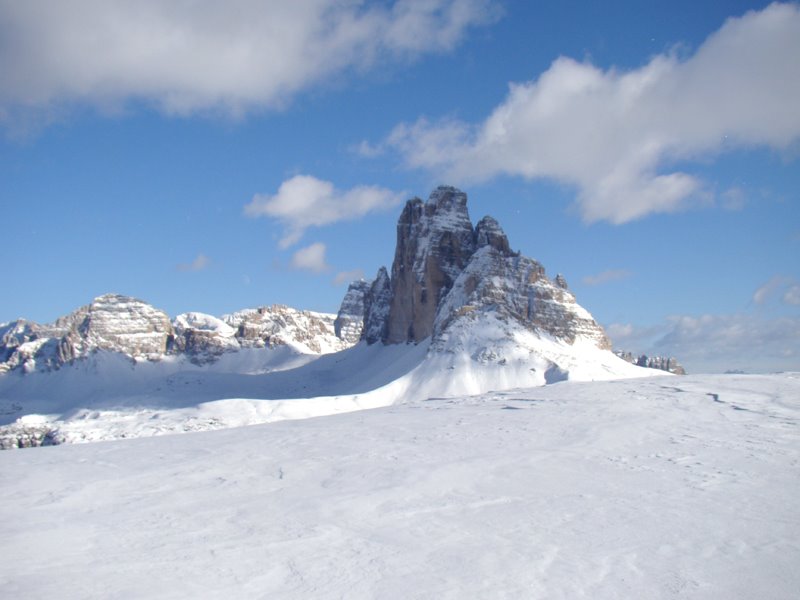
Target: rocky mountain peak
[[489, 233], [446, 271], [203, 338], [448, 198], [434, 242], [349, 322], [377, 303], [118, 323]]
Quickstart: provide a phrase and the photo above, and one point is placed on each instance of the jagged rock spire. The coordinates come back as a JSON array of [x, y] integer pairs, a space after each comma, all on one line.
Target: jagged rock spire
[[435, 240], [489, 233], [444, 269]]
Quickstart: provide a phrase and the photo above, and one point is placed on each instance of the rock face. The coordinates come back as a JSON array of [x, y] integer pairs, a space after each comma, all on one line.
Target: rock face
[[349, 321], [20, 342], [133, 328], [278, 325], [111, 322], [445, 270], [120, 324], [377, 304], [202, 338], [435, 241], [662, 363]]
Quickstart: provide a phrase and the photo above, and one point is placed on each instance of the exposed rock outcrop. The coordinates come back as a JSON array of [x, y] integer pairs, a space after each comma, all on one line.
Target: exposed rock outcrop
[[18, 345], [377, 304], [435, 240], [663, 363], [278, 325], [349, 322], [489, 233], [516, 288], [120, 324], [202, 338]]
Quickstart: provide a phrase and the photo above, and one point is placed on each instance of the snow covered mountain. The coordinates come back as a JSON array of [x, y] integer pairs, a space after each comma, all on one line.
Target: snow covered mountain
[[138, 331], [465, 290], [460, 314]]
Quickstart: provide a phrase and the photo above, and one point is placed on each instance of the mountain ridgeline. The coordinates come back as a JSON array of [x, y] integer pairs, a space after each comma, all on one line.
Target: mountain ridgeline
[[450, 282], [131, 327]]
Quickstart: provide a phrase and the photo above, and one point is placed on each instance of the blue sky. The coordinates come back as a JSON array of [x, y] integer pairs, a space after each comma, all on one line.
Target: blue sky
[[215, 159]]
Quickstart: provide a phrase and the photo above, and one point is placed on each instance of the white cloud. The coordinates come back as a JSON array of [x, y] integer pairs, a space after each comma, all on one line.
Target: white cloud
[[305, 201], [311, 258], [346, 277], [616, 135], [606, 277], [230, 57], [198, 264]]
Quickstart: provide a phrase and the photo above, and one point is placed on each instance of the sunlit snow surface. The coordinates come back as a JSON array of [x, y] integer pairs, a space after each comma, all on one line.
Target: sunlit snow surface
[[107, 396], [662, 487]]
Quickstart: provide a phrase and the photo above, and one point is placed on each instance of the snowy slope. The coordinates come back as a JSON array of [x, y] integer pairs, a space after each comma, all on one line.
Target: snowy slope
[[656, 488], [109, 397]]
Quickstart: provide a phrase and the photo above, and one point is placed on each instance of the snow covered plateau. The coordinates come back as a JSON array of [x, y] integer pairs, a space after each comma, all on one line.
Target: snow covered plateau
[[652, 488]]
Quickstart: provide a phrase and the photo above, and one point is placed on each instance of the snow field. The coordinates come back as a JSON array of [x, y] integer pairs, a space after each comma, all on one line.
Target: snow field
[[652, 488], [109, 398]]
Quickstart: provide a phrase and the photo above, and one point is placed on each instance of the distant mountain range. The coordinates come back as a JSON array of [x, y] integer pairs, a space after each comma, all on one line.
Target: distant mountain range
[[135, 329]]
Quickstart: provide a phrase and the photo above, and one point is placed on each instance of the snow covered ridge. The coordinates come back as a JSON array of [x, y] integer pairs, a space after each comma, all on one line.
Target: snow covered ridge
[[135, 329], [459, 314]]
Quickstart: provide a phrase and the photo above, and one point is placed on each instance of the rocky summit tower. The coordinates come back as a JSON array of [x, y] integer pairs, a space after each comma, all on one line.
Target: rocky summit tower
[[446, 271]]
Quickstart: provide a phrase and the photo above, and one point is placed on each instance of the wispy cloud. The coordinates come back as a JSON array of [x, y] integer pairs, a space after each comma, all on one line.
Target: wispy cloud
[[305, 201], [606, 277], [734, 341], [774, 287], [733, 199], [632, 338], [311, 258], [716, 343], [200, 263], [615, 135], [345, 277], [368, 150], [792, 295], [230, 57]]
